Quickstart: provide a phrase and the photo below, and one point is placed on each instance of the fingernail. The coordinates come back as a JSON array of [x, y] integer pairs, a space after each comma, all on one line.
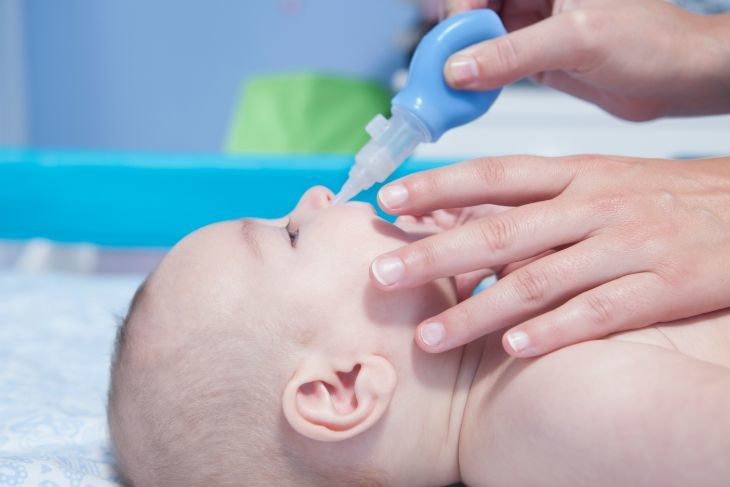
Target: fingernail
[[388, 270], [464, 69], [394, 195], [432, 334], [518, 340]]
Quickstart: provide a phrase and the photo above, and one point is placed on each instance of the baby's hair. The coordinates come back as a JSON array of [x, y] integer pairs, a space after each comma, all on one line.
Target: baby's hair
[[203, 413], [117, 354], [123, 326]]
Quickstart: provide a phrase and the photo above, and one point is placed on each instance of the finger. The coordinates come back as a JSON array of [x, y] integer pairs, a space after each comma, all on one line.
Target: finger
[[629, 302], [446, 218], [480, 211], [507, 237], [513, 266], [559, 42], [454, 7], [417, 230], [467, 283], [530, 291], [512, 181]]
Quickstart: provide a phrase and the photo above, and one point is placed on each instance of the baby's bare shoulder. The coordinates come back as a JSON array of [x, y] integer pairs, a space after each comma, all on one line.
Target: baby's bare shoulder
[[705, 337]]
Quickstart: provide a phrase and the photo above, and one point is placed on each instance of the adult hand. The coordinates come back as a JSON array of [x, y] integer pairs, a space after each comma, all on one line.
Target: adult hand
[[608, 244], [637, 59], [422, 226]]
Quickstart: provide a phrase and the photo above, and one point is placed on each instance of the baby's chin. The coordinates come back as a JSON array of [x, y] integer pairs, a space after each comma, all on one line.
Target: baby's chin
[[447, 287], [416, 229]]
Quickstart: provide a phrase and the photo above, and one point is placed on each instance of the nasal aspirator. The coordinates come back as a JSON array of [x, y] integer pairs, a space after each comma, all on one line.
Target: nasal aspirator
[[426, 107]]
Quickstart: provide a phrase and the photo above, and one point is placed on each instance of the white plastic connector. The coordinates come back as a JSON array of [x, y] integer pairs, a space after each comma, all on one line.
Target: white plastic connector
[[376, 126], [392, 142]]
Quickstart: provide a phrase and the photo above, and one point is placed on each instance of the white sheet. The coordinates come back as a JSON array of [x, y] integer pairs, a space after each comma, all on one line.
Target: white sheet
[[56, 334]]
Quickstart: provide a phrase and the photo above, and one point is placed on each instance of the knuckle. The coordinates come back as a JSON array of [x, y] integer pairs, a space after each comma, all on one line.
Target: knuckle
[[675, 273], [466, 316], [587, 26], [497, 233], [625, 238], [609, 204], [597, 165], [591, 162], [655, 246], [490, 171], [531, 285], [425, 255], [599, 309], [634, 238], [507, 60]]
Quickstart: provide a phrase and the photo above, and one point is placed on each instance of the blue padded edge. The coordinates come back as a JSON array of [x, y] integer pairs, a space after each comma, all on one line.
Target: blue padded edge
[[151, 200]]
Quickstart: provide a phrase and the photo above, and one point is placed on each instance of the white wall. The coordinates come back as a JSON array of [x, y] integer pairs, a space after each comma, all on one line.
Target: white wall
[[165, 75]]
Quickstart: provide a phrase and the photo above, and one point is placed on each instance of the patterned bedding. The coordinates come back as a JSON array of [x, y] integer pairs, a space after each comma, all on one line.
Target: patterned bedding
[[56, 334]]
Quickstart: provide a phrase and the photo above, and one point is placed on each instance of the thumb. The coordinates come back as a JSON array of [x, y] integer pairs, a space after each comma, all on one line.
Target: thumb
[[555, 43]]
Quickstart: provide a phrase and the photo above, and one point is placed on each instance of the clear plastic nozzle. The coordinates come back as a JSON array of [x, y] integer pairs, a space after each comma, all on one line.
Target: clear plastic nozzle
[[392, 141]]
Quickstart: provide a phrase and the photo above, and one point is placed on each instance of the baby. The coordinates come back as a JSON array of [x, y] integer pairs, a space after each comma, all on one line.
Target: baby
[[258, 353]]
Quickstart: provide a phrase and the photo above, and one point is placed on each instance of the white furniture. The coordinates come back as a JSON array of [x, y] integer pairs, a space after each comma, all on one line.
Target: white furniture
[[536, 120]]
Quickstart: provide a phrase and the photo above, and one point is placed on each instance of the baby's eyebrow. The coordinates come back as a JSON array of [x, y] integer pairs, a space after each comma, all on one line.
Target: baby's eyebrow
[[250, 236]]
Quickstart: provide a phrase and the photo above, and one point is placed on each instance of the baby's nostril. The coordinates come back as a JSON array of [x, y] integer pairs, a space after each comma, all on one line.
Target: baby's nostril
[[320, 196]]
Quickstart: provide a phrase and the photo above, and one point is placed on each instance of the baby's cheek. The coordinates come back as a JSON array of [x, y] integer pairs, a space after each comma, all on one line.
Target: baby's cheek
[[438, 296]]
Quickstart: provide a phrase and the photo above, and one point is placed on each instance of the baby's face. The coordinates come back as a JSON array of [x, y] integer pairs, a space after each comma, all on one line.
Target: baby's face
[[246, 319], [309, 269]]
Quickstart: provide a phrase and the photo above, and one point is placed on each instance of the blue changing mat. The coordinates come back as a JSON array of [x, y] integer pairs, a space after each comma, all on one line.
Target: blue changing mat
[[137, 199], [56, 331]]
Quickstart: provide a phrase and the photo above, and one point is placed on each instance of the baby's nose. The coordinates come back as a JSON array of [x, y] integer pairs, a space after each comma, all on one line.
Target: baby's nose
[[317, 198], [311, 203]]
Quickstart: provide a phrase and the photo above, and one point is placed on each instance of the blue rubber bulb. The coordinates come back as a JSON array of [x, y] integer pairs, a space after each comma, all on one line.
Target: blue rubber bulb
[[426, 94], [426, 107]]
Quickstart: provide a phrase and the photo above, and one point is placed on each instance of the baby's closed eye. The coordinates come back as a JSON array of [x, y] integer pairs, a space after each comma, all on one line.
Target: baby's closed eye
[[293, 233]]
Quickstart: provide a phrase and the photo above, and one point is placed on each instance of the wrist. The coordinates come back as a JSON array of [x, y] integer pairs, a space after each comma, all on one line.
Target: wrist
[[714, 49]]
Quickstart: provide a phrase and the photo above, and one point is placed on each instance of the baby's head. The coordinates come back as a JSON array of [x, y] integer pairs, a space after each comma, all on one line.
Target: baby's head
[[261, 355]]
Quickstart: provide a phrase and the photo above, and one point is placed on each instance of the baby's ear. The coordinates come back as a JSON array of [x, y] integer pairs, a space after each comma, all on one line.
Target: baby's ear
[[332, 399]]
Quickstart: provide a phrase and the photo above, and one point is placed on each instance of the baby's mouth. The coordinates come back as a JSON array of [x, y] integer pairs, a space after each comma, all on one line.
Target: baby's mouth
[[363, 205]]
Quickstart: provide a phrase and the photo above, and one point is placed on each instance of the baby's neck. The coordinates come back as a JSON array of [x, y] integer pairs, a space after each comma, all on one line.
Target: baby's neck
[[482, 362], [471, 358]]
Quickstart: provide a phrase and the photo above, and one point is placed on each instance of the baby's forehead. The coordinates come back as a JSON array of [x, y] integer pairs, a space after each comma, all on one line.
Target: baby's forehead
[[207, 281], [208, 254], [211, 280]]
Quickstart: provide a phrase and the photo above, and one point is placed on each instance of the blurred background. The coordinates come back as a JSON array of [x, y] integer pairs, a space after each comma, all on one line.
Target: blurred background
[[166, 75], [126, 124], [169, 76], [129, 124]]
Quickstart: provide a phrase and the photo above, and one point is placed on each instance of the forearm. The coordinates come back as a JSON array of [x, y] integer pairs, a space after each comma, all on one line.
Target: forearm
[[606, 413]]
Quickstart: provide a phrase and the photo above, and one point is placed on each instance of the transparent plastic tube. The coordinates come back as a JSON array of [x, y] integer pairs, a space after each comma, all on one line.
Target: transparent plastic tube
[[391, 143]]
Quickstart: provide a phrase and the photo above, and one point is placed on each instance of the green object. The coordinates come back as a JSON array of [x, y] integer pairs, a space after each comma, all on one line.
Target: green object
[[305, 114]]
